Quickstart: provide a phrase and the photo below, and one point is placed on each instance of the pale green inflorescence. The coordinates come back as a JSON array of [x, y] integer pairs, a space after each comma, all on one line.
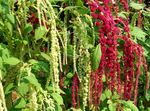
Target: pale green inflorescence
[[33, 100], [65, 45], [55, 49], [2, 95], [85, 70], [86, 81]]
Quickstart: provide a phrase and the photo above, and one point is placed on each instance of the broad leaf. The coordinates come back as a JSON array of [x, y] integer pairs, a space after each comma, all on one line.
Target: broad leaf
[[28, 28], [11, 18], [108, 93], [45, 56], [123, 14], [58, 108], [79, 2], [129, 104], [96, 57], [9, 88], [12, 61], [137, 6], [58, 98], [69, 75], [21, 104], [103, 97], [40, 32], [23, 88], [138, 33], [32, 79], [112, 107], [33, 61]]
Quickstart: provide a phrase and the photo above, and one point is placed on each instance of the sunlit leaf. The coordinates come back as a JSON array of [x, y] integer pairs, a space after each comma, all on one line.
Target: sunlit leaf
[[96, 57], [129, 104], [11, 18], [28, 28], [23, 88], [21, 103], [9, 88], [12, 61], [45, 56], [108, 93], [138, 33], [137, 6], [69, 75], [32, 79], [58, 98], [40, 32]]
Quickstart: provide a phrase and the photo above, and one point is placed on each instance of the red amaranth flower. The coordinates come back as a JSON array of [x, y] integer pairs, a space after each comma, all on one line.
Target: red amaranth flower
[[74, 89], [139, 53], [109, 33], [128, 68]]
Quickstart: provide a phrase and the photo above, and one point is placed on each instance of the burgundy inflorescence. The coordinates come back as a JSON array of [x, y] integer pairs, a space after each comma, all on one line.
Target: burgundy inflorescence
[[75, 90], [109, 33]]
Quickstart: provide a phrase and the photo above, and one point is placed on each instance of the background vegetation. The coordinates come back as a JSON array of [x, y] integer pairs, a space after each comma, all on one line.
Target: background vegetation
[[51, 53]]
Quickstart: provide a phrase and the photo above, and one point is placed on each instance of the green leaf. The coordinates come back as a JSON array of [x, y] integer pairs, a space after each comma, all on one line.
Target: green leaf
[[1, 63], [11, 18], [123, 14], [127, 109], [10, 27], [134, 19], [104, 109], [12, 61], [33, 61], [40, 32], [28, 28], [103, 97], [115, 96], [148, 95], [129, 104], [148, 41], [25, 110], [96, 57], [104, 78], [45, 56], [25, 42], [67, 82], [32, 79], [108, 93], [57, 97], [40, 66], [69, 50], [137, 6], [58, 108], [69, 75], [112, 107], [23, 88], [9, 88], [138, 33], [21, 104], [5, 54], [79, 3]]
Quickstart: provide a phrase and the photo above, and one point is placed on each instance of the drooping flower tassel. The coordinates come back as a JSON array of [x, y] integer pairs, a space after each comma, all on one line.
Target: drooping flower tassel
[[75, 90]]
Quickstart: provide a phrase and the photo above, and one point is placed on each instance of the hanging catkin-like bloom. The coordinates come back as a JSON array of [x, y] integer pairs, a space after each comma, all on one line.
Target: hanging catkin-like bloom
[[109, 33], [139, 52], [75, 89], [108, 41], [128, 68]]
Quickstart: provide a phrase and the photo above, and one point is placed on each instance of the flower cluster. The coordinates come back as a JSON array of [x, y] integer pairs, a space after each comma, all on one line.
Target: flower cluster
[[75, 90], [109, 33]]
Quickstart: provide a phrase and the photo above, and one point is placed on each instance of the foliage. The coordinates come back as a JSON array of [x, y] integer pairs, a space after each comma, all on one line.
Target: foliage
[[52, 55]]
